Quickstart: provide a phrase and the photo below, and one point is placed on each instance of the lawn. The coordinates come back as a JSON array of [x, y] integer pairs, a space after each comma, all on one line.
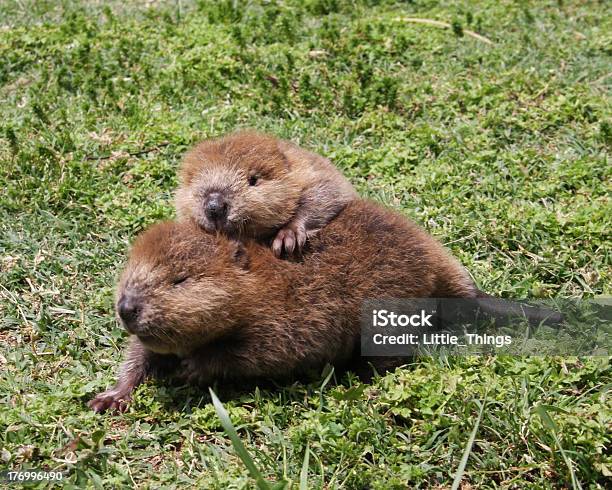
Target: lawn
[[500, 149]]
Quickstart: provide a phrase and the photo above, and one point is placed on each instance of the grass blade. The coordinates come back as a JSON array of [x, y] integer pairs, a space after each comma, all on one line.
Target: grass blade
[[444, 25], [549, 423], [241, 451], [304, 472], [468, 448], [330, 373]]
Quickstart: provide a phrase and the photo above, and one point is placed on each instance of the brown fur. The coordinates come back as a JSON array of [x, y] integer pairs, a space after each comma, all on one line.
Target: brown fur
[[217, 309], [296, 192]]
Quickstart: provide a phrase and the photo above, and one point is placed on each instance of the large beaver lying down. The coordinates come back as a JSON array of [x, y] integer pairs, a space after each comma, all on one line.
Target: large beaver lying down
[[204, 307]]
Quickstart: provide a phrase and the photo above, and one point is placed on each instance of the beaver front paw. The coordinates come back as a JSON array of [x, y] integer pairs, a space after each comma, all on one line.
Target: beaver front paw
[[194, 372], [291, 238], [112, 400]]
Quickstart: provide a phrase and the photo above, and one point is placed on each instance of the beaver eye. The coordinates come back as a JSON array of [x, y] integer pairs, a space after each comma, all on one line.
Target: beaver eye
[[253, 179], [179, 280]]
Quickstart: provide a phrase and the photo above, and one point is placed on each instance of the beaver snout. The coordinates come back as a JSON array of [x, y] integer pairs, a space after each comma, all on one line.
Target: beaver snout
[[129, 308], [216, 207]]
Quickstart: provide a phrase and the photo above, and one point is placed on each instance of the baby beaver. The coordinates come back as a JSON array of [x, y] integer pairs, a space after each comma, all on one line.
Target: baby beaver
[[251, 185]]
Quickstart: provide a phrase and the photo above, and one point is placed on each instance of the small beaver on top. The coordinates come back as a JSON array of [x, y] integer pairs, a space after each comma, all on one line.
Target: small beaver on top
[[252, 185]]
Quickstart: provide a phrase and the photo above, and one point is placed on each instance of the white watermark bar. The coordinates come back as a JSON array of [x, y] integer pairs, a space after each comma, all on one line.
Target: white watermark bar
[[484, 326]]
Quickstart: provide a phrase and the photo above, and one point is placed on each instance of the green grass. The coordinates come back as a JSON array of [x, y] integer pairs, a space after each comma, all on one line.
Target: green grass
[[502, 151]]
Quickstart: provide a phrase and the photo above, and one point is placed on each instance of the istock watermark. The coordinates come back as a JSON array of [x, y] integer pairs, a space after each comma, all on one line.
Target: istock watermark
[[436, 326]]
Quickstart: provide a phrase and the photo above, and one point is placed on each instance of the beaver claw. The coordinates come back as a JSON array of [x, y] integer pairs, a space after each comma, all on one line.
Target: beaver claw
[[291, 238], [112, 400]]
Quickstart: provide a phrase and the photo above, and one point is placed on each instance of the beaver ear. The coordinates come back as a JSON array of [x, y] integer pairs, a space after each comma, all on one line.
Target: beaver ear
[[238, 254], [285, 148]]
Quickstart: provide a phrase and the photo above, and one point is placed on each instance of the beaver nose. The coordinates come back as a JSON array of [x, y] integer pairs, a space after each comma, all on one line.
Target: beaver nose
[[128, 309], [216, 207]]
